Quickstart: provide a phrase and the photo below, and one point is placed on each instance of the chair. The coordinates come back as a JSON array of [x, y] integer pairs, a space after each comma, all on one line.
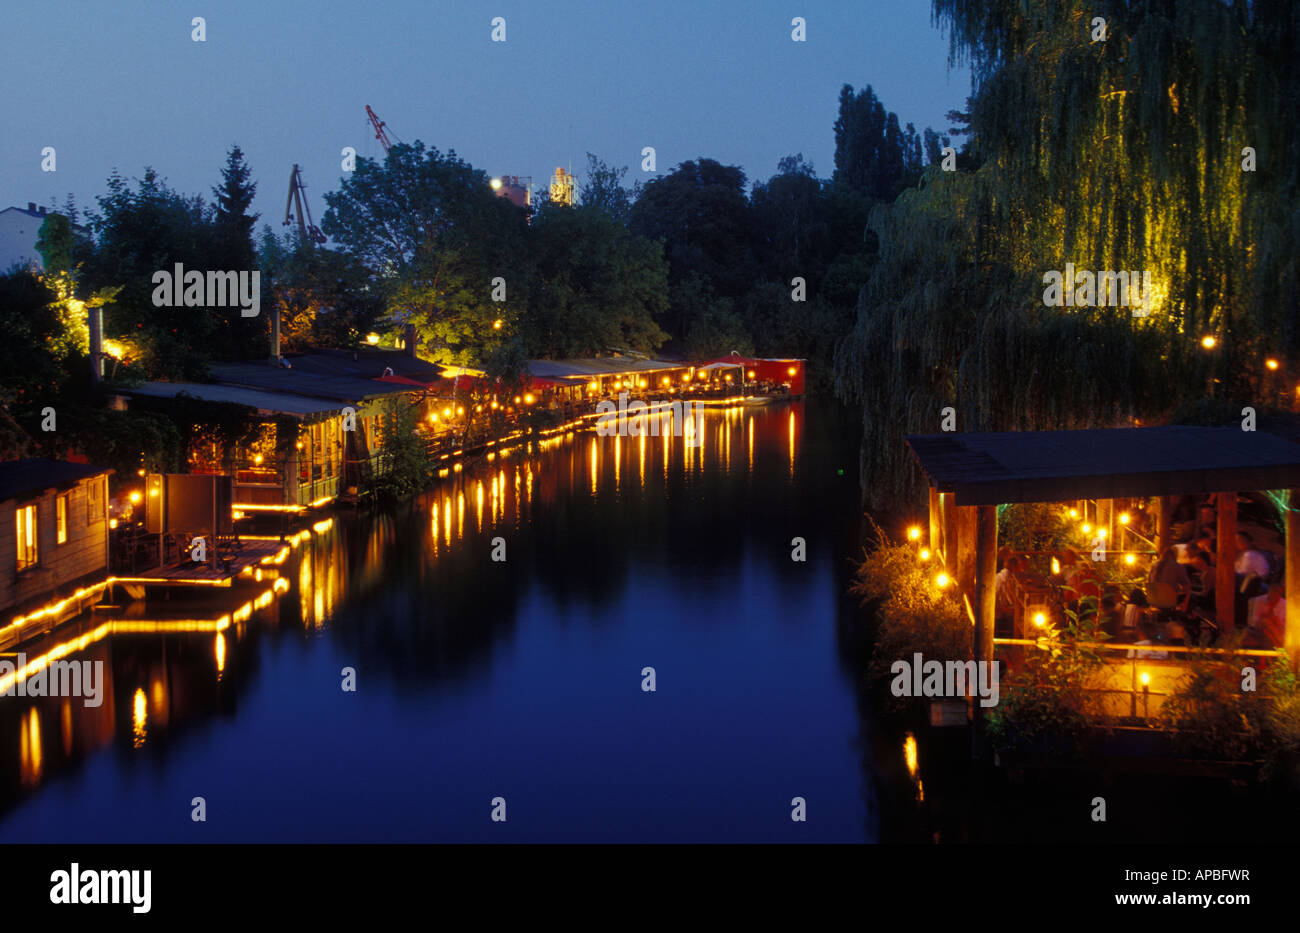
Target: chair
[[1163, 596]]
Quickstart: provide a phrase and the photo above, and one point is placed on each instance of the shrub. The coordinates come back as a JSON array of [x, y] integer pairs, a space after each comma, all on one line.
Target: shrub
[[1049, 696], [914, 615]]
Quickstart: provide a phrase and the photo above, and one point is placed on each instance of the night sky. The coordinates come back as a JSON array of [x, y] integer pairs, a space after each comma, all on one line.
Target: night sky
[[122, 85]]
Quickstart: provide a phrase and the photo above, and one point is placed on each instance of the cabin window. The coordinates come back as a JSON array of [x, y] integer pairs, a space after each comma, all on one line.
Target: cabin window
[[61, 519], [25, 530], [94, 501]]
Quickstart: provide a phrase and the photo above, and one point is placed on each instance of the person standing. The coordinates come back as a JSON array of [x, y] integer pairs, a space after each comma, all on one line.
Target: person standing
[[1251, 569]]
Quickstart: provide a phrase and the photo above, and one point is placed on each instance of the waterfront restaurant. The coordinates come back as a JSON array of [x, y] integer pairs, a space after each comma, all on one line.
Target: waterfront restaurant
[[764, 376], [321, 435], [605, 377], [1099, 475]]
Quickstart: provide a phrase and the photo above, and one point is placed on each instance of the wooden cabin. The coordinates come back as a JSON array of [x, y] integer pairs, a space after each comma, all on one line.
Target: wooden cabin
[[53, 530]]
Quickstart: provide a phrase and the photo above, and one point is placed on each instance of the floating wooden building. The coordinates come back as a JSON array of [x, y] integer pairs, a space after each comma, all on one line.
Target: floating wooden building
[[970, 475], [53, 531]]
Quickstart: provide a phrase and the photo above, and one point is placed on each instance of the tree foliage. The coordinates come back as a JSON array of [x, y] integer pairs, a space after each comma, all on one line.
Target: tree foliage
[[1123, 154]]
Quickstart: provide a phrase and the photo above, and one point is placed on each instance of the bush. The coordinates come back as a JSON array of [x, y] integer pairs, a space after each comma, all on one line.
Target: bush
[[1048, 698], [914, 615], [405, 457], [1215, 718]]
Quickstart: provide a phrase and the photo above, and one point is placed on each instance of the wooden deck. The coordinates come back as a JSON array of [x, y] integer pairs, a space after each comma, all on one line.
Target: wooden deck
[[251, 553]]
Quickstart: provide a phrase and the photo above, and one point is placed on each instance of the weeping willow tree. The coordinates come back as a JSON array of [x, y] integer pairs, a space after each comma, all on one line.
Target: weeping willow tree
[[1122, 153]]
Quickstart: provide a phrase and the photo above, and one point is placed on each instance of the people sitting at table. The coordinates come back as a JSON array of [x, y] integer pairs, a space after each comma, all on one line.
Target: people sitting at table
[[1110, 616], [1168, 571], [1135, 612], [1202, 574], [1266, 626], [1205, 542]]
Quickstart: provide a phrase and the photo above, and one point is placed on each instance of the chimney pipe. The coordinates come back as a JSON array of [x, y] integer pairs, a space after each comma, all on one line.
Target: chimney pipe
[[409, 340], [31, 207]]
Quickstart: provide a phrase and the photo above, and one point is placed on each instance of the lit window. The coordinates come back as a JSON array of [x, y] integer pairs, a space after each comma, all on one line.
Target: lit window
[[61, 519], [25, 530]]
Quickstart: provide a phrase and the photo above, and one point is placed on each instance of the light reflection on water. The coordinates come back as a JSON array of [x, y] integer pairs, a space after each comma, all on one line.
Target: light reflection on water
[[474, 672]]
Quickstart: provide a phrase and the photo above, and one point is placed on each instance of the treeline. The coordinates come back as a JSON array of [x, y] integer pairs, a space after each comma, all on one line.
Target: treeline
[[696, 261]]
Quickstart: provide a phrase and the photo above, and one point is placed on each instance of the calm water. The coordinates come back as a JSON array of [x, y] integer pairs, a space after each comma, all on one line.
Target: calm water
[[518, 679]]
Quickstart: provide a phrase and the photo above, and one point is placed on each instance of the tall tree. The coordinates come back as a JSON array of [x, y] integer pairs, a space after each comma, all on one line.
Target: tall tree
[[602, 189], [232, 223], [140, 231], [873, 154], [595, 286], [437, 237], [700, 212]]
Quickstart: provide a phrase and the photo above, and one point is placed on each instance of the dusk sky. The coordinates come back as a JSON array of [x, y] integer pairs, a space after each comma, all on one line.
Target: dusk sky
[[124, 86]]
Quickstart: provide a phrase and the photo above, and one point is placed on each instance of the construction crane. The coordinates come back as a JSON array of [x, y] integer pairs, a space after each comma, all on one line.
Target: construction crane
[[381, 134], [297, 203]]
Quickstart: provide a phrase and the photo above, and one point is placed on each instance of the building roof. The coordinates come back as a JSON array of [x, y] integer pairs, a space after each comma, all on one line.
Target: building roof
[[21, 477], [1057, 466], [267, 403], [345, 389], [363, 363], [602, 366], [40, 213]]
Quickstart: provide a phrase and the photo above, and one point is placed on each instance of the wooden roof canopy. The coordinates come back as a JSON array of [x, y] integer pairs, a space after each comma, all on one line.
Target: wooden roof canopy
[[1059, 466]]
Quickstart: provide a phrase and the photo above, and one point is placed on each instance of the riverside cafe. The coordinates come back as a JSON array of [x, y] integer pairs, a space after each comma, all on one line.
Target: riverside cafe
[[971, 475]]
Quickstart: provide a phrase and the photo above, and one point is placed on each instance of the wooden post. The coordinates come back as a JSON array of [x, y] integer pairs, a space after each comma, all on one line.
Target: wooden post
[[936, 517], [1164, 519], [286, 456], [986, 569], [949, 531], [966, 544], [1225, 580], [1292, 639], [984, 605]]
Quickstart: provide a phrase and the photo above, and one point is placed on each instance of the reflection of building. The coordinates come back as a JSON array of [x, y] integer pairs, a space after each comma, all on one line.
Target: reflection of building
[[561, 187], [53, 529]]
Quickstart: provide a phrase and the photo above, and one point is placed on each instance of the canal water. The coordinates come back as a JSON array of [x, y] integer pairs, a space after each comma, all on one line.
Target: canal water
[[520, 679]]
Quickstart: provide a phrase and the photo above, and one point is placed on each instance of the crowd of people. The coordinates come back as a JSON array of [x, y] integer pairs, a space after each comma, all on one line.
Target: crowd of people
[[1176, 603]]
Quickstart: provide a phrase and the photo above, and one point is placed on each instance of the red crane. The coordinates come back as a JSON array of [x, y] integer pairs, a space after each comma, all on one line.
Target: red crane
[[380, 133]]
